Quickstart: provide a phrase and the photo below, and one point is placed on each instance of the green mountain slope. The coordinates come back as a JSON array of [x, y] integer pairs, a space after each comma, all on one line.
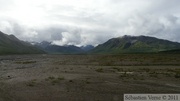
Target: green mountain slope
[[135, 44], [9, 44], [175, 51]]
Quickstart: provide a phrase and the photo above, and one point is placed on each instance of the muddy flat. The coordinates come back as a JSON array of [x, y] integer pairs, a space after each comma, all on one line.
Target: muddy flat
[[87, 77]]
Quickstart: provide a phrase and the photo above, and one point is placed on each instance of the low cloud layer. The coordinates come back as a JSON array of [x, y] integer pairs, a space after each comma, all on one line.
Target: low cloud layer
[[83, 22]]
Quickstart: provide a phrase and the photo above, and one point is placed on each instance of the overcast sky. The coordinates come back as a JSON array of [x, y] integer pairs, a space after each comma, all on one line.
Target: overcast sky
[[82, 22]]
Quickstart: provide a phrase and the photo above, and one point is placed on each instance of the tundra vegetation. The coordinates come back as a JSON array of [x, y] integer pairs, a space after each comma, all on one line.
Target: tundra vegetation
[[86, 77]]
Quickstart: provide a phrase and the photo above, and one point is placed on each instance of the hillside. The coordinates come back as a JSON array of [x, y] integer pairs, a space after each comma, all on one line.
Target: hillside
[[9, 44], [135, 44], [175, 51]]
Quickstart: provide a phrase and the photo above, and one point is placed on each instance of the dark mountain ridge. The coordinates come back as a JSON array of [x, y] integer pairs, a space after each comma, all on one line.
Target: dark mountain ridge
[[9, 44], [87, 47]]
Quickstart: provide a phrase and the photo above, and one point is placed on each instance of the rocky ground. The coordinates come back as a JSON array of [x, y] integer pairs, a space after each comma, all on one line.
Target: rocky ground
[[86, 77]]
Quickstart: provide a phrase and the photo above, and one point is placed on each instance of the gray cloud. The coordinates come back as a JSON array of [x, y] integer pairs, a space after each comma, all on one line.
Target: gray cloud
[[89, 21]]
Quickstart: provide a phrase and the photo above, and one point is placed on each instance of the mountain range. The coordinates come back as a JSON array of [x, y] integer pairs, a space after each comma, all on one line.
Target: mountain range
[[9, 44], [66, 49]]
